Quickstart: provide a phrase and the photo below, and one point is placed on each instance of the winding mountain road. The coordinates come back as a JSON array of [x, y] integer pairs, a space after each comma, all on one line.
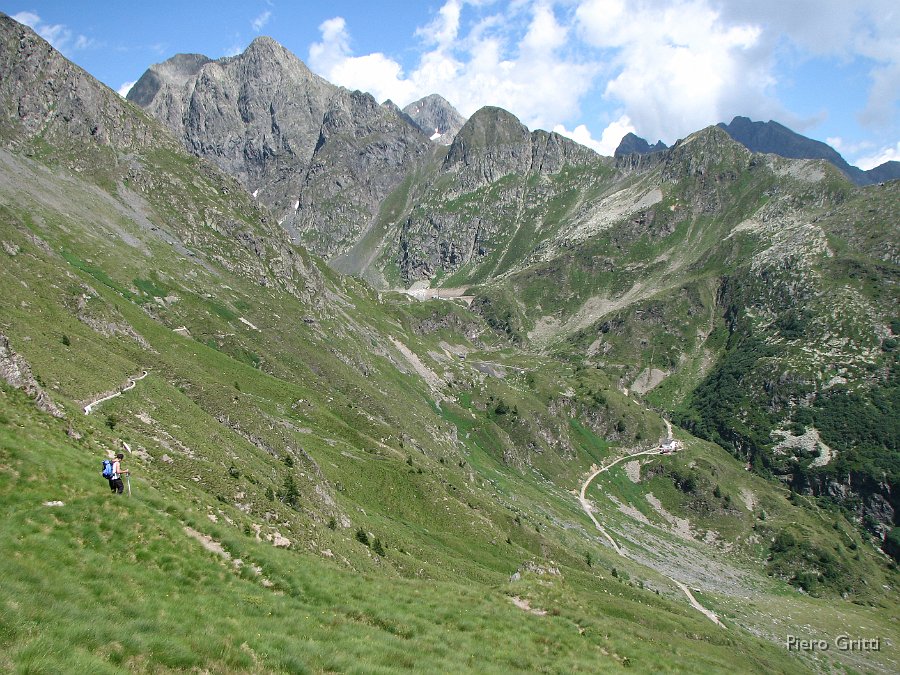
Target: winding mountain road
[[132, 381], [586, 505]]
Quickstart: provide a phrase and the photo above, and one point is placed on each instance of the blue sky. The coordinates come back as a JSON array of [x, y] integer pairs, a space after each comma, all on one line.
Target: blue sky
[[591, 69]]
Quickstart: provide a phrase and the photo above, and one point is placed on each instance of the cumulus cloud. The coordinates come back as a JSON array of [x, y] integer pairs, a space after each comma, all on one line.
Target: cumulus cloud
[[376, 73], [125, 87], [260, 22], [885, 154], [668, 67], [883, 106], [57, 34], [866, 29], [514, 59], [609, 139], [677, 67]]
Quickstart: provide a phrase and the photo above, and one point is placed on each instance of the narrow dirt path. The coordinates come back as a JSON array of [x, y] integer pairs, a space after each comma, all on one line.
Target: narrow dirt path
[[131, 383], [586, 505]]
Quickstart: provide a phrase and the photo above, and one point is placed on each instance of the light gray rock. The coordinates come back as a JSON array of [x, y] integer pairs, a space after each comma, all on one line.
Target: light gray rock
[[436, 117]]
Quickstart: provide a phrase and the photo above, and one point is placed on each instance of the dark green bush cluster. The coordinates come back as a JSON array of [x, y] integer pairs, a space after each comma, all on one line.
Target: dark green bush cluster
[[807, 565]]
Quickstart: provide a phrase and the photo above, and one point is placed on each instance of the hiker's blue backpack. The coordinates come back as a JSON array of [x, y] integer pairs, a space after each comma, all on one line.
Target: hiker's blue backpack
[[107, 468]]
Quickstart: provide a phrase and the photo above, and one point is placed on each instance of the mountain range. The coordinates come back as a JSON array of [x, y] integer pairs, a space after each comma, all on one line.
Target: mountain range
[[772, 137], [468, 475]]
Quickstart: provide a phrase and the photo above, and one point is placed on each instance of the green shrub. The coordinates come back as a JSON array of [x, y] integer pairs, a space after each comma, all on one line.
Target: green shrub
[[290, 494], [891, 544], [362, 537]]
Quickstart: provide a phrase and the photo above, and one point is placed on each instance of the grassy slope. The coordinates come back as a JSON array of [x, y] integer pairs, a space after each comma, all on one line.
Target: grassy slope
[[310, 427], [142, 542]]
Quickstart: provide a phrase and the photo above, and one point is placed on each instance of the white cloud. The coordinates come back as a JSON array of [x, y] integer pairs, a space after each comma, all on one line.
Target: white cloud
[[886, 154], [882, 108], [609, 139], [82, 42], [862, 29], [57, 34], [668, 67], [125, 87], [498, 62], [260, 22], [443, 30], [848, 148], [30, 19], [376, 73], [678, 67]]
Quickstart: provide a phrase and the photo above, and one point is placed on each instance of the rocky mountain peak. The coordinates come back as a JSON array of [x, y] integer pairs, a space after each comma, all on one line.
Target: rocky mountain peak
[[493, 142], [436, 117], [42, 94], [772, 137], [710, 150], [174, 72], [249, 113], [632, 144], [265, 54]]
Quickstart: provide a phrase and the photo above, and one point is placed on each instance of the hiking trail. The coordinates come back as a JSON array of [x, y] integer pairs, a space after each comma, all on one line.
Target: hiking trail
[[586, 505], [128, 387]]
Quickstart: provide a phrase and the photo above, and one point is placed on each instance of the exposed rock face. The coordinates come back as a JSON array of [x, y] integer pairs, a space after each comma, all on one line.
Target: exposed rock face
[[51, 98], [436, 117], [51, 105], [493, 151], [492, 144], [322, 157], [364, 150], [874, 503], [172, 73], [14, 370], [635, 145], [772, 137], [251, 114]]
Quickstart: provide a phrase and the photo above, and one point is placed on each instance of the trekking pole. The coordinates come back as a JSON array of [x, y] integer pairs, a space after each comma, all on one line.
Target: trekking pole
[[128, 480]]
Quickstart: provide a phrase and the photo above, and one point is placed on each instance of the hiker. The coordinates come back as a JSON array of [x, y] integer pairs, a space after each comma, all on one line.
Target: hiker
[[115, 482]]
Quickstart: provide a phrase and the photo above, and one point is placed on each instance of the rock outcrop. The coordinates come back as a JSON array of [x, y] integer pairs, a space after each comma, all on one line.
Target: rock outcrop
[[635, 145], [436, 117], [14, 370], [252, 114], [322, 157], [50, 98]]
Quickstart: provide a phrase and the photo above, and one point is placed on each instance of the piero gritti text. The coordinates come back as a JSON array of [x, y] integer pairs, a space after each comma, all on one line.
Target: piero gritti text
[[841, 643]]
